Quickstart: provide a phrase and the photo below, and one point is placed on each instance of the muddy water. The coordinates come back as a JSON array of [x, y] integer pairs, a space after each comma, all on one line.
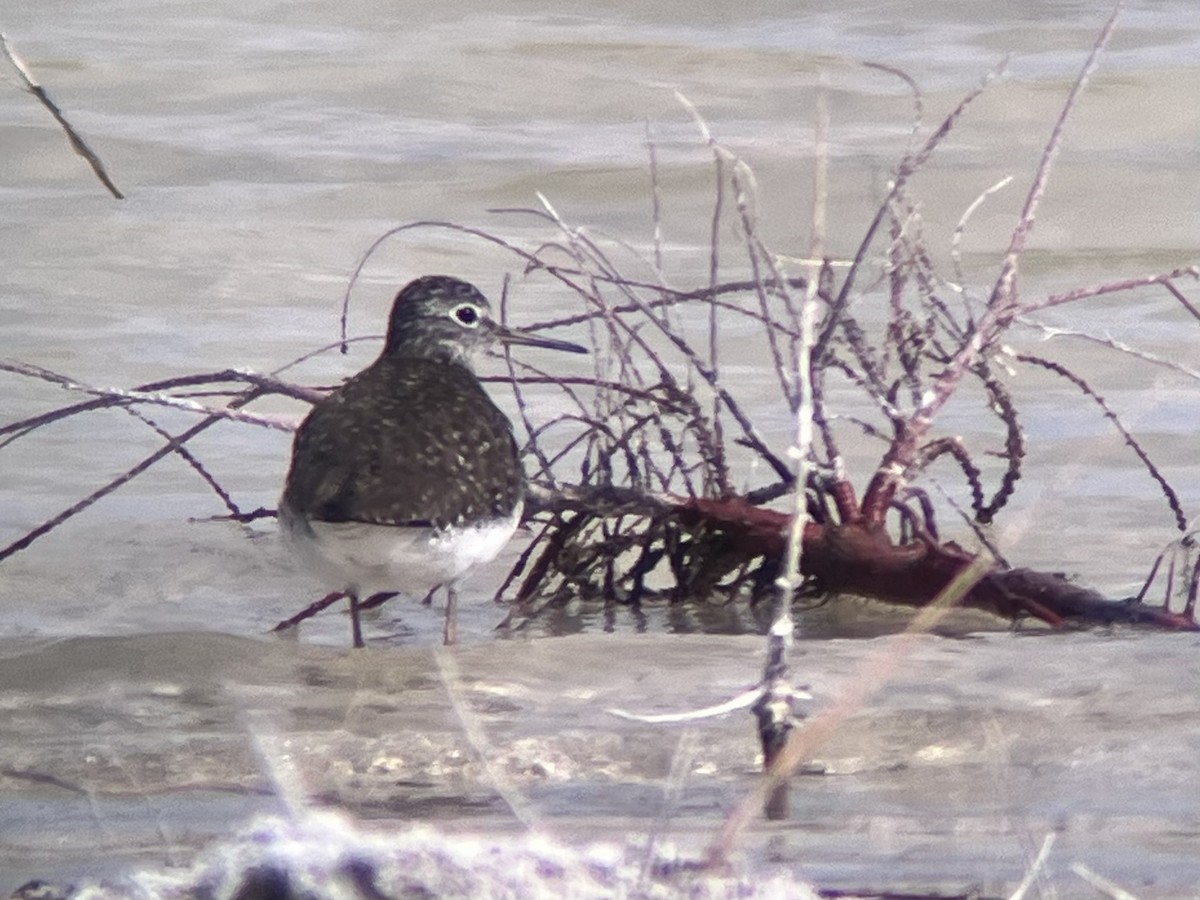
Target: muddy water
[[262, 150]]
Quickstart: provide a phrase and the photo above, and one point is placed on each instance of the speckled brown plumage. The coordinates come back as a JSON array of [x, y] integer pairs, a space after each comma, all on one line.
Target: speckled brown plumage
[[407, 441]]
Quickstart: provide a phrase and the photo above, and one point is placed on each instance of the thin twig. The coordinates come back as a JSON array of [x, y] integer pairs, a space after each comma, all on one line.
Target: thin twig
[[909, 165], [741, 701], [1004, 294], [1127, 284], [1001, 307], [78, 507], [961, 227], [1181, 521], [78, 144]]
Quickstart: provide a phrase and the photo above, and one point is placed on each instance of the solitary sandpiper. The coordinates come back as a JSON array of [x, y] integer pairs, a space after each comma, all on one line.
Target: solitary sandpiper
[[408, 474]]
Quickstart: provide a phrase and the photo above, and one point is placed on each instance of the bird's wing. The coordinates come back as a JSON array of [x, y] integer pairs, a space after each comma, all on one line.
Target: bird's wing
[[405, 441]]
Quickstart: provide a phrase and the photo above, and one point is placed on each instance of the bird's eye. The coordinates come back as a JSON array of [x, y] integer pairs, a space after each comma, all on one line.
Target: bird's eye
[[466, 314]]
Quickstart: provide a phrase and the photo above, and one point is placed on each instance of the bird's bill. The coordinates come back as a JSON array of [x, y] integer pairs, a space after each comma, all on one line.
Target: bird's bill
[[527, 338]]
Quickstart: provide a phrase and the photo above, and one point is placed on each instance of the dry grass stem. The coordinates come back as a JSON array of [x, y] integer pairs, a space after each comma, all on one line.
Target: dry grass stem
[[1035, 869], [804, 743], [1106, 888]]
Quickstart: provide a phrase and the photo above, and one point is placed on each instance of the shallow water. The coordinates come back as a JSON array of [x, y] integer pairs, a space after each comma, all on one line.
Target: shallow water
[[263, 148], [947, 773], [262, 155]]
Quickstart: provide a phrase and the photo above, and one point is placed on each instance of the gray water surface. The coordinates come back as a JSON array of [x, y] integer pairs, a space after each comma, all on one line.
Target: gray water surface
[[263, 147]]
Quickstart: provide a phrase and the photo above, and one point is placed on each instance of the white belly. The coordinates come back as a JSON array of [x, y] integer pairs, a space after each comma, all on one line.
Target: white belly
[[372, 558]]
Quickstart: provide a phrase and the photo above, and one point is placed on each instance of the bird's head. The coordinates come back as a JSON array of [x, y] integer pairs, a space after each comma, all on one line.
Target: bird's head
[[440, 317]]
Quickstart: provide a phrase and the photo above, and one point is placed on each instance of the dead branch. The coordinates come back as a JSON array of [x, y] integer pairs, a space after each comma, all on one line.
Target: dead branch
[[858, 559], [1181, 521], [153, 393], [1166, 279], [1002, 305], [78, 144]]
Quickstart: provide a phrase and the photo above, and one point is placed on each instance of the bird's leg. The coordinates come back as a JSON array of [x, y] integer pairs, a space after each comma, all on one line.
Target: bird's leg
[[355, 623], [450, 629]]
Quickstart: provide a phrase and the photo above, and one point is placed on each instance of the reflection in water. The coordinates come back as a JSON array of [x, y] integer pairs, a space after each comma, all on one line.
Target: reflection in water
[[836, 617]]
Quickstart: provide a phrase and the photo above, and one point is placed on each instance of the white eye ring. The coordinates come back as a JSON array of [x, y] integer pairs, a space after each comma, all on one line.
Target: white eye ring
[[467, 315]]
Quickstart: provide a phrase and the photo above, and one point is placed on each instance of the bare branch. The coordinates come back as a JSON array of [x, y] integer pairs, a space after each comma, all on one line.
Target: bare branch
[[78, 144]]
